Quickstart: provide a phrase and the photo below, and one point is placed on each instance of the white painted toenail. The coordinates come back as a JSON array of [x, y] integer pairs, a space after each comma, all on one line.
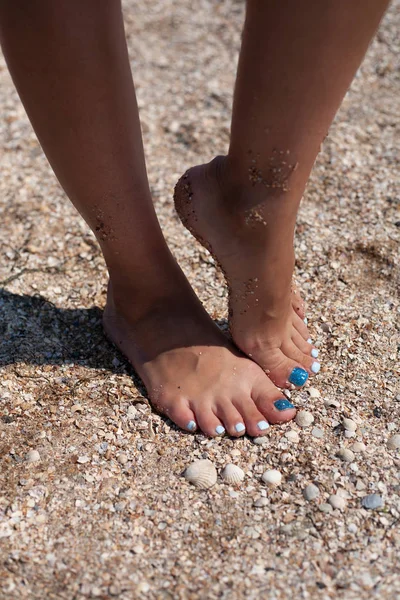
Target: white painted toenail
[[314, 353], [309, 340], [305, 320], [262, 425], [191, 426], [239, 427], [315, 367], [220, 430]]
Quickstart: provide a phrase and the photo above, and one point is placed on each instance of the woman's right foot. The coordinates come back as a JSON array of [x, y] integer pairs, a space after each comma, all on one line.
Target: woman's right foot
[[192, 373], [248, 227]]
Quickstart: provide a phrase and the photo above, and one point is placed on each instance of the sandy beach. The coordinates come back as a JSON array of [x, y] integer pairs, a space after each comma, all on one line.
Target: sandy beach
[[93, 501]]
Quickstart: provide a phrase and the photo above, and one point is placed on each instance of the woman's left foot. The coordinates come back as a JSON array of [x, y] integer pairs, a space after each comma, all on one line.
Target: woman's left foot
[[249, 231]]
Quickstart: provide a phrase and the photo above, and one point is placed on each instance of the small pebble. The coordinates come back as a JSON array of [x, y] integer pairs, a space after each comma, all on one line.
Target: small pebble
[[372, 501], [260, 440], [272, 477], [393, 443], [352, 528], [122, 458], [337, 502], [83, 459], [346, 455], [304, 418], [358, 447], [317, 433], [313, 392], [33, 456], [349, 424], [292, 436], [349, 434], [325, 508], [311, 492], [260, 502]]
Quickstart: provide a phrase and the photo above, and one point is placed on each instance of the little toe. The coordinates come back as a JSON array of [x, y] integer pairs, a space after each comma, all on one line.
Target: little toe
[[300, 325], [255, 422], [231, 418]]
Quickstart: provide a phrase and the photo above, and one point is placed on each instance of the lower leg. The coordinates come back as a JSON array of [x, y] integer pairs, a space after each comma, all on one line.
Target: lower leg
[[70, 64], [296, 63]]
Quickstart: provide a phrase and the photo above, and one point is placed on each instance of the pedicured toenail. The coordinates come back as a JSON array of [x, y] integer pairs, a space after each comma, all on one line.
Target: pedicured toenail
[[283, 404], [305, 320], [262, 425], [314, 353], [309, 340], [191, 426], [220, 430], [315, 367], [298, 376], [239, 427]]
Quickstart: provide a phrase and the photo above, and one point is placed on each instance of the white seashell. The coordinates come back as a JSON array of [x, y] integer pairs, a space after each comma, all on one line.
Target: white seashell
[[337, 501], [292, 436], [313, 392], [358, 447], [349, 424], [201, 473], [33, 456], [272, 477], [232, 474], [304, 418], [393, 443], [311, 492], [346, 455], [329, 403], [259, 441]]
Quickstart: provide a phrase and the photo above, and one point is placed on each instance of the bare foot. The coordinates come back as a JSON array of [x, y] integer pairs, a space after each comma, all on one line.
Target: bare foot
[[250, 233], [191, 371]]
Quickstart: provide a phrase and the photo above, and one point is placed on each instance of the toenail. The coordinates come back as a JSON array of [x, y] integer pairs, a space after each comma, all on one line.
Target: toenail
[[283, 404], [298, 376], [191, 426], [315, 367], [309, 340], [239, 427], [262, 425], [314, 353], [220, 430], [305, 320]]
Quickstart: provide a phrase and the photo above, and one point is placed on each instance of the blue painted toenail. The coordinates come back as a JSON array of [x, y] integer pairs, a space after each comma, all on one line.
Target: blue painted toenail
[[262, 425], [314, 353], [315, 367], [298, 377], [239, 427], [283, 404], [220, 430], [191, 426]]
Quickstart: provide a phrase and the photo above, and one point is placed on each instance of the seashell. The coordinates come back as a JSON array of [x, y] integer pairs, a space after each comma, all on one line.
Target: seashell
[[292, 436], [304, 418], [313, 392], [393, 443], [201, 473], [272, 477], [232, 474], [337, 501], [358, 447], [33, 456], [311, 492], [349, 424], [346, 455], [259, 441]]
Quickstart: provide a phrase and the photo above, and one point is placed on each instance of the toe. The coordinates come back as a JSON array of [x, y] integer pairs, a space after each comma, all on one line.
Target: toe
[[180, 413], [305, 346], [283, 370], [300, 326], [299, 306], [231, 418], [273, 405], [305, 360], [207, 420], [254, 421]]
